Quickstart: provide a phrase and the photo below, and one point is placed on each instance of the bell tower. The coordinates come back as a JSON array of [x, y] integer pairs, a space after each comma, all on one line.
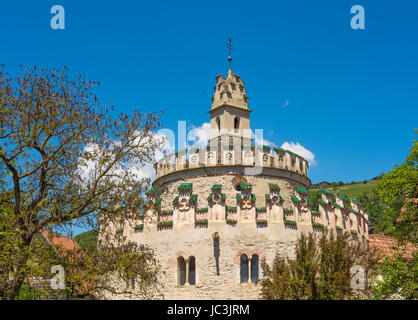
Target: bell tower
[[229, 114]]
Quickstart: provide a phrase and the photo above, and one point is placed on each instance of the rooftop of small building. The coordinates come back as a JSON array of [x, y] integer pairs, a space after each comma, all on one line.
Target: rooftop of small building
[[385, 246]]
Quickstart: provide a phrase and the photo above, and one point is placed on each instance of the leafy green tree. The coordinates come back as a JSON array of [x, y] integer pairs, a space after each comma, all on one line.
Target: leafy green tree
[[121, 268], [397, 278], [320, 270], [375, 209], [315, 196], [87, 240], [63, 161], [398, 192]]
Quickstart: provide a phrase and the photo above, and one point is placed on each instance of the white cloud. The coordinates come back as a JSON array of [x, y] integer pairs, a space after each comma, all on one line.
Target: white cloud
[[147, 170], [139, 170], [199, 135], [263, 142], [300, 150]]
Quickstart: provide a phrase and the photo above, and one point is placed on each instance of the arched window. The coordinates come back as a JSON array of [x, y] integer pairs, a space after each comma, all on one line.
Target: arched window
[[218, 123], [181, 269], [244, 268], [236, 123], [254, 268], [192, 271]]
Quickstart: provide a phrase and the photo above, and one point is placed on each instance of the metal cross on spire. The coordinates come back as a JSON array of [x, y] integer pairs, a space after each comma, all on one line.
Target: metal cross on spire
[[229, 46]]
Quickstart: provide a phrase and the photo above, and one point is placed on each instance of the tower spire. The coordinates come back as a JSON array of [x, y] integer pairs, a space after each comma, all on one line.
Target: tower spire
[[229, 46]]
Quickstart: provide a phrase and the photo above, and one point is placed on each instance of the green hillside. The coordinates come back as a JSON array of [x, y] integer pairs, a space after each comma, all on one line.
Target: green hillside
[[87, 240], [350, 190], [360, 191]]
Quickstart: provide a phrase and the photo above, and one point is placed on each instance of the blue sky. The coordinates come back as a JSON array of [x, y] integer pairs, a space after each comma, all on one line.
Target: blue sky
[[352, 94]]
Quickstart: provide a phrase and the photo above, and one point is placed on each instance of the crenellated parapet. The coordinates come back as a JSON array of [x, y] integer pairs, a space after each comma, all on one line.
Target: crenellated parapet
[[231, 154], [334, 212]]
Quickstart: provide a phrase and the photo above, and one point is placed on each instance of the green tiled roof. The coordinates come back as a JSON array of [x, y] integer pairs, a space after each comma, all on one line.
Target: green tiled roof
[[176, 200], [338, 228], [295, 199], [342, 197], [309, 201], [278, 149], [216, 186], [289, 222], [281, 198], [300, 189], [246, 186], [200, 210], [338, 206], [231, 208], [166, 223], [261, 221], [287, 209], [185, 186], [239, 196], [209, 197], [315, 212], [356, 202], [317, 224], [193, 198], [261, 209], [266, 147], [353, 211], [223, 196], [268, 197], [151, 191], [322, 202], [253, 196], [202, 221], [274, 186], [158, 201], [325, 191]]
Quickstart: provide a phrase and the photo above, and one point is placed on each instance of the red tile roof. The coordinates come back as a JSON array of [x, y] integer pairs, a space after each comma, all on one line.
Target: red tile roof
[[58, 240], [384, 245]]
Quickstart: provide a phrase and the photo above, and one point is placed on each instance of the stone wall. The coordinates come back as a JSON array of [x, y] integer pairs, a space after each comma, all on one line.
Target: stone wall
[[175, 230], [204, 178]]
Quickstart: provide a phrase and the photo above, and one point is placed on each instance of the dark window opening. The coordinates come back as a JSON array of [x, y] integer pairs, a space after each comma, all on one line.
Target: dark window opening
[[192, 271], [236, 123], [254, 268], [181, 271], [244, 268]]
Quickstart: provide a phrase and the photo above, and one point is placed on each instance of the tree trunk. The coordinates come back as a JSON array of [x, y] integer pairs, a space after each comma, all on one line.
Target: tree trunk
[[13, 286]]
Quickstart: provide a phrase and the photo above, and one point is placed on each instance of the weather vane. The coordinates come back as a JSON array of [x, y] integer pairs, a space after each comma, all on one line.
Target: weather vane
[[229, 46]]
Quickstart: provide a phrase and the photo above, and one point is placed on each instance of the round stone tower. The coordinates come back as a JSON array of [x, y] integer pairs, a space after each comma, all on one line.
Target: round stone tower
[[216, 211]]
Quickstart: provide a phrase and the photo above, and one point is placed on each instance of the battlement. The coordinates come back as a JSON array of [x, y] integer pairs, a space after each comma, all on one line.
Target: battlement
[[213, 211], [231, 154]]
